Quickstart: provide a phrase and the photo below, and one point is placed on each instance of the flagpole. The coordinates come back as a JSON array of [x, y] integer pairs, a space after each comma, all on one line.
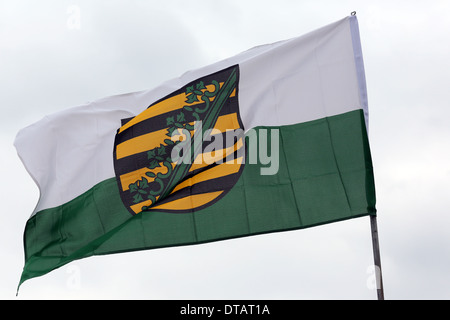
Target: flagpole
[[376, 257]]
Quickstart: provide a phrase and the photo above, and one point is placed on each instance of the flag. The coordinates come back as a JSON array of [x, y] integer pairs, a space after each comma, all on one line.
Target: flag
[[272, 139]]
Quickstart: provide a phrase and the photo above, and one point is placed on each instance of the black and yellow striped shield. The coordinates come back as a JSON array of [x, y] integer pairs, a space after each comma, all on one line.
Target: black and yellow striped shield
[[185, 151]]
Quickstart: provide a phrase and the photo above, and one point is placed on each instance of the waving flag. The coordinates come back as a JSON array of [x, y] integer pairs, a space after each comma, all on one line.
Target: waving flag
[[272, 139]]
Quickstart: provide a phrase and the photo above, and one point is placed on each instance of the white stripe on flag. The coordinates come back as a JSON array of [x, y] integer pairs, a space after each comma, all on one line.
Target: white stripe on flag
[[288, 82]]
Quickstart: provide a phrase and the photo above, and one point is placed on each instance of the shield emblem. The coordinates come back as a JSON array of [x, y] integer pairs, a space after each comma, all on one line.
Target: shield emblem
[[185, 151]]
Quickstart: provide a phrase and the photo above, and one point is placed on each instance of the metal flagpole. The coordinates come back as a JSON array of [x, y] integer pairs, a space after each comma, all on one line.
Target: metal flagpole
[[376, 257], [376, 247]]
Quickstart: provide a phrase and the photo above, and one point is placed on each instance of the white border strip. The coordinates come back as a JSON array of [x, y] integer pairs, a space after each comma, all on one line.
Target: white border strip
[[360, 73]]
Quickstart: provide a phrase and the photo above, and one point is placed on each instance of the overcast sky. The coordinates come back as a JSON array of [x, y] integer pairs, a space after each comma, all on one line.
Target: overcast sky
[[59, 54]]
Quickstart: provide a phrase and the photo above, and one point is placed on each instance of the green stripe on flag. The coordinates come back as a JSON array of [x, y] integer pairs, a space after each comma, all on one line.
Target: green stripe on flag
[[325, 175]]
